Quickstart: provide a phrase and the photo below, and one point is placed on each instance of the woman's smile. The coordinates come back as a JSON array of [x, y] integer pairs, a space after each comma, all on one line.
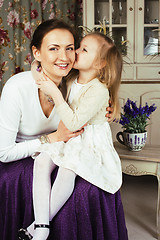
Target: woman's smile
[[62, 66]]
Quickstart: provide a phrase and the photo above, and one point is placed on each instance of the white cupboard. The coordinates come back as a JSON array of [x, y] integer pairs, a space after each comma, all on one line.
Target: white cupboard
[[137, 22]]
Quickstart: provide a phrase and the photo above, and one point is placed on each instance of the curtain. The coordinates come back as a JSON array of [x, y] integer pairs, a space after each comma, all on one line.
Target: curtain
[[18, 20]]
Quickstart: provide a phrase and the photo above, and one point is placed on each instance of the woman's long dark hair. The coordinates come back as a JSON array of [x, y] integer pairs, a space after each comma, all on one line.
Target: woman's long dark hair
[[47, 26]]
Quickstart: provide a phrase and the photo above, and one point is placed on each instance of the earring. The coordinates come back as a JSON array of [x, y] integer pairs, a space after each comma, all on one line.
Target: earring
[[38, 69]]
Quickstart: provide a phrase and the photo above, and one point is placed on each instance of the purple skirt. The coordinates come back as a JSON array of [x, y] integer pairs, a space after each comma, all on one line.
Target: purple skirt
[[89, 214]]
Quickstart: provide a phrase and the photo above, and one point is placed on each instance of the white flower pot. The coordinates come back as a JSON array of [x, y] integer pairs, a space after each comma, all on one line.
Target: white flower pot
[[133, 141]]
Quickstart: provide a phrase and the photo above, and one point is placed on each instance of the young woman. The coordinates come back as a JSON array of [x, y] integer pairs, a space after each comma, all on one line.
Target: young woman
[[27, 120], [91, 155], [21, 100]]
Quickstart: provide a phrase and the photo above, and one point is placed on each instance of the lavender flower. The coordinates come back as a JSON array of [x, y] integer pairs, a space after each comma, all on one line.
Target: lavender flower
[[134, 119]]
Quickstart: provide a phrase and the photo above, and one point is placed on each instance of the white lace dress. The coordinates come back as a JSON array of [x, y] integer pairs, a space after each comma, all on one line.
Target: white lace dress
[[90, 155]]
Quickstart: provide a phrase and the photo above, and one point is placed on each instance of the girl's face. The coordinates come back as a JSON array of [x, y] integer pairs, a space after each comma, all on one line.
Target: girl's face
[[86, 54], [56, 54]]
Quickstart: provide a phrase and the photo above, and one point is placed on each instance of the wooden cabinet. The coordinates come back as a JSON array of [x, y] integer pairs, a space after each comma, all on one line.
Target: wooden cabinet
[[138, 23], [115, 17], [134, 21]]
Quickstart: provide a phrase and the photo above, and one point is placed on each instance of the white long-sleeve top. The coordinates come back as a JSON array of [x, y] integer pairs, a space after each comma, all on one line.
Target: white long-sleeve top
[[22, 120]]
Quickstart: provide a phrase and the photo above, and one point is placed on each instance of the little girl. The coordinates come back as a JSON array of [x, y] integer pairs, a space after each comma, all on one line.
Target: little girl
[[90, 155]]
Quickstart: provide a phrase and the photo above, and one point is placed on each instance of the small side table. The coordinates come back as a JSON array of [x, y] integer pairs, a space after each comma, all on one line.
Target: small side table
[[144, 162]]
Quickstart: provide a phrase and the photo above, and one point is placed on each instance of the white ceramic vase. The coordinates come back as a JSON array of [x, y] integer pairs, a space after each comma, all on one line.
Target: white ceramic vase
[[133, 141]]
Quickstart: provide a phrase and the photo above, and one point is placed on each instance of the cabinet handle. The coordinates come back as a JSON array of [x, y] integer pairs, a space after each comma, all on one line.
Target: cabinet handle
[[130, 9], [159, 72], [140, 9]]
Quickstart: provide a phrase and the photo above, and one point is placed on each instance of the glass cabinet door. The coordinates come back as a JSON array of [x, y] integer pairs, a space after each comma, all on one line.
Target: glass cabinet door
[[113, 14], [151, 22], [101, 11], [148, 39], [118, 11]]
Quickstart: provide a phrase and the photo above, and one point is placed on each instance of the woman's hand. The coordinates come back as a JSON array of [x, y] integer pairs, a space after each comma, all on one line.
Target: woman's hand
[[63, 134], [109, 111]]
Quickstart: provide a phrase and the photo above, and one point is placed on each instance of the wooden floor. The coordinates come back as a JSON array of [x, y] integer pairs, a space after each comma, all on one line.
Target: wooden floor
[[139, 197]]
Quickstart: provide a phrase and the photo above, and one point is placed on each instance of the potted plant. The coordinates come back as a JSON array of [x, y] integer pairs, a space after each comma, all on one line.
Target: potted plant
[[134, 122]]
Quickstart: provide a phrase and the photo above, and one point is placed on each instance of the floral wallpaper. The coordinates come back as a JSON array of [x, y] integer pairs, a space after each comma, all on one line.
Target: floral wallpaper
[[18, 20]]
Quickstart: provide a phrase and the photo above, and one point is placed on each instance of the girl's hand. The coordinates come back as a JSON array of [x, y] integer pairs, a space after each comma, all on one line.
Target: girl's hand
[[63, 134], [47, 86]]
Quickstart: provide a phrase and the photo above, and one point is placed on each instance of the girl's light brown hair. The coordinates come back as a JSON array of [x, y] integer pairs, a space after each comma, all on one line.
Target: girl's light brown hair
[[110, 73]]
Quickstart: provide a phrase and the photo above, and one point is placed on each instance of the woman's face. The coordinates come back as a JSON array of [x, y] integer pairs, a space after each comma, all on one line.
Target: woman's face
[[57, 54]]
